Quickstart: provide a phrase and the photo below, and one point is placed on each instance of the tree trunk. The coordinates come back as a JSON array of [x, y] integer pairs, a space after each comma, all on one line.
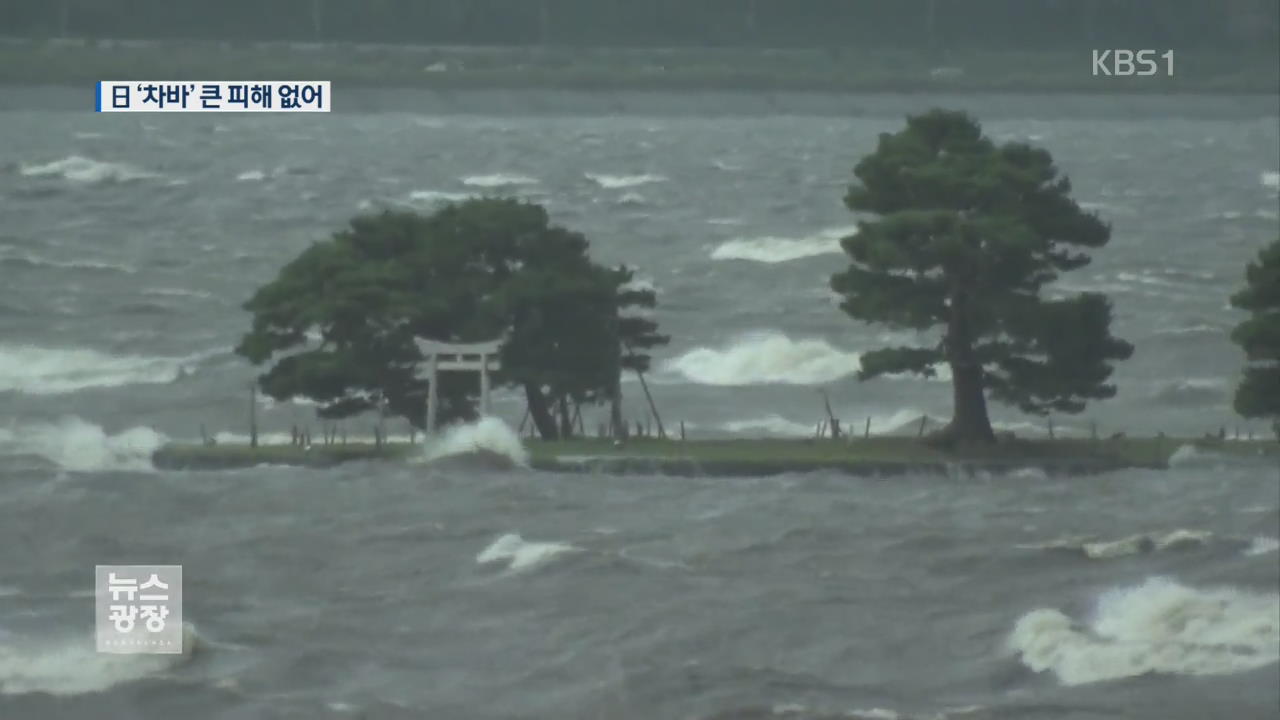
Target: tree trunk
[[540, 412], [969, 421], [617, 427], [566, 421]]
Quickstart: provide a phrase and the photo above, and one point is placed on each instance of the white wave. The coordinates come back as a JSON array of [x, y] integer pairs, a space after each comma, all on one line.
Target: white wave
[[10, 257], [782, 249], [177, 292], [769, 357], [1100, 549], [437, 196], [520, 554], [724, 221], [1190, 456], [726, 166], [1160, 626], [76, 168], [1197, 329], [632, 198], [1262, 545], [1271, 179], [613, 182], [53, 371], [773, 424], [497, 180], [77, 445], [75, 667], [251, 176], [489, 434]]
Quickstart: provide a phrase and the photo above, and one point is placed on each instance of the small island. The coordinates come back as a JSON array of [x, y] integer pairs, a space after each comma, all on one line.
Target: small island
[[960, 244], [875, 457]]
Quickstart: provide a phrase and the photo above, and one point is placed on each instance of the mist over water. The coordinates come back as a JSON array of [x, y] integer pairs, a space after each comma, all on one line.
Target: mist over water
[[457, 588]]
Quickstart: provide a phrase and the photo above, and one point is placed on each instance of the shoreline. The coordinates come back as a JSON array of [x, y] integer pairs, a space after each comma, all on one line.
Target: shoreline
[[879, 457], [831, 71]]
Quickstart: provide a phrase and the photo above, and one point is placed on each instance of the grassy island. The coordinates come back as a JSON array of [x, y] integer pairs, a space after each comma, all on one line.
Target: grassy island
[[755, 457]]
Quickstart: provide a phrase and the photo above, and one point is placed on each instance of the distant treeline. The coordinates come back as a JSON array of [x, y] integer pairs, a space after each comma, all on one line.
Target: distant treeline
[[933, 25]]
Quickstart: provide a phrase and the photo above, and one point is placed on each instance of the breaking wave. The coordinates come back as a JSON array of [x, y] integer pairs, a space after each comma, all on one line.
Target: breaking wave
[[431, 197], [1271, 179], [75, 444], [520, 554], [1100, 549], [782, 249], [69, 667], [488, 435], [53, 371], [900, 422], [1160, 626], [79, 169], [497, 180], [765, 358], [33, 261], [613, 182], [1261, 546]]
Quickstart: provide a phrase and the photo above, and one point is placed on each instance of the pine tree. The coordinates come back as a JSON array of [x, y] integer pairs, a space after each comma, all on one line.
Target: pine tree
[[966, 236], [1258, 394]]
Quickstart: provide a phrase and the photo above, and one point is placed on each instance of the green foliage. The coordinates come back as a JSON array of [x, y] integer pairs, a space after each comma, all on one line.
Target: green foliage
[[339, 321], [965, 236], [1258, 394]]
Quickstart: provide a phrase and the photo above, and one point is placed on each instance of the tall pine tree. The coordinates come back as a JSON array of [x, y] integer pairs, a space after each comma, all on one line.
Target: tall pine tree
[[1258, 394], [965, 237]]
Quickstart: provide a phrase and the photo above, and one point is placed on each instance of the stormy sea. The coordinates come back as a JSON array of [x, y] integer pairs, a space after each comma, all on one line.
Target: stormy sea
[[129, 243]]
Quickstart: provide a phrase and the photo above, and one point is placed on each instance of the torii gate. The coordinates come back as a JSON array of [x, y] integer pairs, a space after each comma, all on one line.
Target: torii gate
[[457, 356]]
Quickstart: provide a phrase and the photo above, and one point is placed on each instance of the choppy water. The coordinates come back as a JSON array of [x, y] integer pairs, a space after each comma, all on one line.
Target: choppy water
[[127, 246]]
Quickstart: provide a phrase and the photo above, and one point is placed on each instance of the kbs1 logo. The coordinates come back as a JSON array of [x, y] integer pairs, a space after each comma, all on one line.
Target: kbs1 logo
[[1127, 63]]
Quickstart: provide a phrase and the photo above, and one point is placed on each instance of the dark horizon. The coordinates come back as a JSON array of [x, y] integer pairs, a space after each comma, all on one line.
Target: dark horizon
[[937, 26]]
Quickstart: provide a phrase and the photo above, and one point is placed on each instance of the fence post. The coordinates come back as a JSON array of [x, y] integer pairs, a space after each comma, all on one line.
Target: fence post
[[681, 431], [866, 431], [253, 414]]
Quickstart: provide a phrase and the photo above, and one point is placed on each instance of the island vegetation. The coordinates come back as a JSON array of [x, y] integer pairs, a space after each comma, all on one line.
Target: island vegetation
[[960, 244], [1258, 394]]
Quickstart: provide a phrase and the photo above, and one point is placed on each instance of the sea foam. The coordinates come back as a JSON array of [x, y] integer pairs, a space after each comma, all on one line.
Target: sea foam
[[498, 180], [782, 249], [613, 182], [75, 668], [1160, 626], [767, 357], [75, 444], [489, 434], [52, 371], [520, 554], [79, 169]]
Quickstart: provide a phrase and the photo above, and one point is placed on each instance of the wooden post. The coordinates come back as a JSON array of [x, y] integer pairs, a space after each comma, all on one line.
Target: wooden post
[[1093, 429], [484, 385], [253, 415], [1050, 428], [866, 431], [923, 419], [433, 393], [652, 407], [681, 431], [831, 416]]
